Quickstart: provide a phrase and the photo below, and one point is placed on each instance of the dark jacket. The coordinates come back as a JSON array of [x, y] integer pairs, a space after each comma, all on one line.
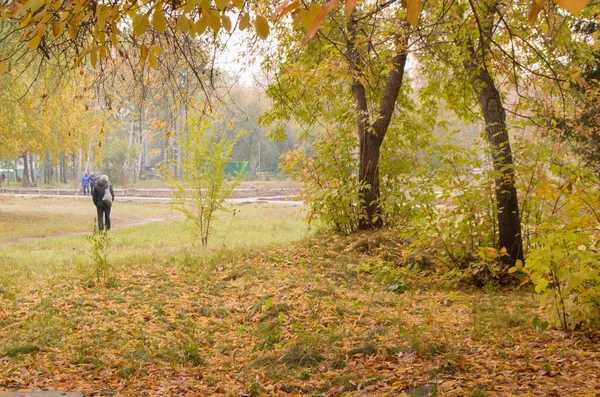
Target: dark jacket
[[92, 180], [98, 192]]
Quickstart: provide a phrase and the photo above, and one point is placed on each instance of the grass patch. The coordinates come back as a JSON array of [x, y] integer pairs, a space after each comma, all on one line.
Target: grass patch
[[367, 350], [18, 350], [301, 355]]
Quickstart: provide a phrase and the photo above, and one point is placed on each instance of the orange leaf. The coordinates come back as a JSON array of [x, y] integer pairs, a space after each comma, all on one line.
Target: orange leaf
[[320, 18], [349, 7], [534, 10], [413, 9], [285, 8], [573, 6]]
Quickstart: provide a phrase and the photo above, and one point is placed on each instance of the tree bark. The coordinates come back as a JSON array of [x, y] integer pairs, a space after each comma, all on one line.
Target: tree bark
[[26, 181], [32, 177], [63, 168], [371, 135], [509, 221]]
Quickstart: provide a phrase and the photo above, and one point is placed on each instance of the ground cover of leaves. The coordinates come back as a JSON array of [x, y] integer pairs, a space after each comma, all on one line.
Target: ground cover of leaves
[[330, 316]]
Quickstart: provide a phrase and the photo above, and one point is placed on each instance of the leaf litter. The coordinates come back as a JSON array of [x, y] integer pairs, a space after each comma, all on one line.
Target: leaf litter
[[313, 318]]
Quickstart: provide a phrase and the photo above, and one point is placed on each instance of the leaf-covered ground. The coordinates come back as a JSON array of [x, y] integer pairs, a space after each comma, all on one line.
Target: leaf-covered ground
[[330, 316]]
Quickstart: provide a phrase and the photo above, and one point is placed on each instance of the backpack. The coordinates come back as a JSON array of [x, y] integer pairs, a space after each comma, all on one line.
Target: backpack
[[107, 198]]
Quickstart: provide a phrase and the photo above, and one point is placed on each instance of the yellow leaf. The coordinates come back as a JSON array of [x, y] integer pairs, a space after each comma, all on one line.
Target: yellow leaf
[[73, 29], [183, 24], [238, 3], [159, 22], [244, 21], [303, 18], [143, 52], [41, 28], [262, 27], [35, 41], [214, 20], [140, 24], [2, 68], [26, 20], [226, 22], [205, 4], [102, 51], [102, 14], [157, 49], [349, 7], [201, 24], [221, 3], [94, 57], [573, 6], [57, 28], [413, 9], [152, 60], [34, 5], [113, 37], [189, 6]]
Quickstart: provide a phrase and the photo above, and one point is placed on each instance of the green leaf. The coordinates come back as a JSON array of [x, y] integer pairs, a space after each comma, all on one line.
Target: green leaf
[[541, 285], [267, 304]]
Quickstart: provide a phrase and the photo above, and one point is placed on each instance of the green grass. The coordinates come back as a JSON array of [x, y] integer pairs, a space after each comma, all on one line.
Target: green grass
[[26, 257], [42, 217]]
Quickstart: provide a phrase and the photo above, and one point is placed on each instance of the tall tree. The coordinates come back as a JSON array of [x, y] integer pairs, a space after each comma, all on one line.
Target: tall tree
[[496, 61], [367, 53]]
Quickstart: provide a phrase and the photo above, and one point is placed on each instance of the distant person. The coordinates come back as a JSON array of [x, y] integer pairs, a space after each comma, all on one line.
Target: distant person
[[103, 209], [2, 178], [93, 180], [85, 184]]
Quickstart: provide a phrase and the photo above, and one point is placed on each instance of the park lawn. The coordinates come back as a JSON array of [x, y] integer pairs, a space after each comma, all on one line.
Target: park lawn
[[268, 309], [43, 217]]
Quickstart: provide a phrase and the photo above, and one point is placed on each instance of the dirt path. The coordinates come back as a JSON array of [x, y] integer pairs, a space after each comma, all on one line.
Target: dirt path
[[121, 225]]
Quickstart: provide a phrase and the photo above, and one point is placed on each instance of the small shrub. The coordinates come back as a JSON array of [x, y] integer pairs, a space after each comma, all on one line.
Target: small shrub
[[100, 241]]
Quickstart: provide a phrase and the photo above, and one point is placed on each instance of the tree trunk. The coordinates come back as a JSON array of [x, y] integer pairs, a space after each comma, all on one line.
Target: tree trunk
[[26, 181], [371, 135], [509, 222], [32, 178], [74, 173], [368, 176], [63, 168]]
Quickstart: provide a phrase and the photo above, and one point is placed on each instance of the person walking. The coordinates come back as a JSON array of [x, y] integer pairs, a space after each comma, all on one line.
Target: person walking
[[92, 180], [85, 184], [102, 206]]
